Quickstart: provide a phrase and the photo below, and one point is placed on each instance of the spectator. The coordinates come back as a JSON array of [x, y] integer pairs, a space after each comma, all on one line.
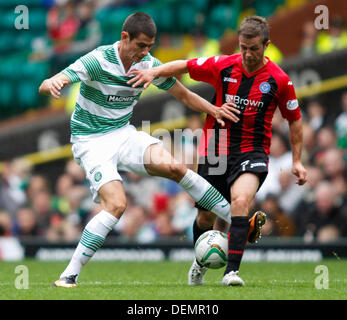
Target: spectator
[[63, 186], [315, 176], [274, 53], [326, 211], [202, 47], [290, 194], [184, 214], [278, 222], [12, 185], [38, 183], [88, 35], [171, 47], [76, 173], [328, 233], [309, 39], [334, 168], [278, 125], [316, 114], [333, 164], [5, 224], [141, 189], [280, 158], [62, 26], [162, 226], [341, 123], [26, 223], [71, 200], [309, 142], [325, 140], [333, 39], [41, 204], [134, 224]]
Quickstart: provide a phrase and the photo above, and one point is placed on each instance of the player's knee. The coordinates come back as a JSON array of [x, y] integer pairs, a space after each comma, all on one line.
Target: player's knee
[[176, 171], [205, 220], [116, 208], [240, 205]]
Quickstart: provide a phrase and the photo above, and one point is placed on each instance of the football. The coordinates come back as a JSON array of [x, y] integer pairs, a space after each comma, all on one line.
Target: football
[[211, 249]]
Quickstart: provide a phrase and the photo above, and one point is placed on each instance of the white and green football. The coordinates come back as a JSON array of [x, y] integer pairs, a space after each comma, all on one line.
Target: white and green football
[[211, 249]]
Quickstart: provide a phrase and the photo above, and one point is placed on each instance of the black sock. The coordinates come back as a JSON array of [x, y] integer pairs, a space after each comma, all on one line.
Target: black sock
[[197, 232], [238, 235]]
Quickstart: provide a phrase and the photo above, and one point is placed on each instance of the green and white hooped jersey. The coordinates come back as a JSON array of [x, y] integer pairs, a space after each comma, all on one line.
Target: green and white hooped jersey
[[105, 101]]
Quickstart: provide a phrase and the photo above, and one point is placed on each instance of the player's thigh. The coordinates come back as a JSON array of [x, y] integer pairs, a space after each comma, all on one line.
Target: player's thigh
[[113, 198], [160, 162]]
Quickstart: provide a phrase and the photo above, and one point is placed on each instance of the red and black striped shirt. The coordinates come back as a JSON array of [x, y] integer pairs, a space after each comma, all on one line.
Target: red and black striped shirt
[[257, 96]]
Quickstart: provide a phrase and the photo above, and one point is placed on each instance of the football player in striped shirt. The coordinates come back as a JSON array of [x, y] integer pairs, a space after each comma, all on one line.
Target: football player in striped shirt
[[257, 86], [103, 141]]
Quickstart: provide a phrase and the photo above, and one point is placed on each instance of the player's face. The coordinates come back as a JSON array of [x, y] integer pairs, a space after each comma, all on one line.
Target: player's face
[[138, 47], [252, 50]]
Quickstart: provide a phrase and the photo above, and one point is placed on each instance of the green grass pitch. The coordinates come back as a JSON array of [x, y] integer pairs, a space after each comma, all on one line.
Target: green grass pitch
[[167, 280]]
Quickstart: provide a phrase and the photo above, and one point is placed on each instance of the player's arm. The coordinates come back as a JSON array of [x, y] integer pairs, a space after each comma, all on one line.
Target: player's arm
[[146, 76], [296, 138], [197, 103], [54, 85]]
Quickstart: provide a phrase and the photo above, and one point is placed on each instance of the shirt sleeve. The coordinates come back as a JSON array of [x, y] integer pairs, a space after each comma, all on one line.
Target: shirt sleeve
[[288, 103], [162, 82], [84, 69], [204, 69]]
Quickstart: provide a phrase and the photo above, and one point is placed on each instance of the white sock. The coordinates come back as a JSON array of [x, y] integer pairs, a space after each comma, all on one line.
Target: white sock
[[92, 239], [206, 195]]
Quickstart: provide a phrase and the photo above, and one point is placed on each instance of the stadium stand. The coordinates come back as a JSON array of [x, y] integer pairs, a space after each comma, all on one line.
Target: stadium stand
[[48, 196]]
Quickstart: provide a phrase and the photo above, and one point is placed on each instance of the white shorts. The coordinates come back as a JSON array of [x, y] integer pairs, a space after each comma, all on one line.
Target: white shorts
[[102, 156]]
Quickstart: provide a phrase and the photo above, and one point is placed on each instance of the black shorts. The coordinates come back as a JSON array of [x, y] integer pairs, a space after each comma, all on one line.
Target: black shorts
[[221, 172]]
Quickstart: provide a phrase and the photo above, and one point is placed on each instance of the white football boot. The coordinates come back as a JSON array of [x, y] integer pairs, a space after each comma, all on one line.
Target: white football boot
[[196, 274], [66, 282], [232, 279]]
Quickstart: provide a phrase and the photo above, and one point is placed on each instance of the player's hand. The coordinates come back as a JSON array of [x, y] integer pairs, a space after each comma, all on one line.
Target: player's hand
[[228, 111], [55, 86], [300, 172], [144, 77]]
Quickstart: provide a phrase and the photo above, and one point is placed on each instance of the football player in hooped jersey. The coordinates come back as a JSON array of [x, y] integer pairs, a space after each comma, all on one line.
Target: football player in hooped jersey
[[257, 86], [104, 142]]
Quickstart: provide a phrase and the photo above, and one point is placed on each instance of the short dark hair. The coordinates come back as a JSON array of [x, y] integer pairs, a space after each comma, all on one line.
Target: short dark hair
[[140, 22], [253, 26]]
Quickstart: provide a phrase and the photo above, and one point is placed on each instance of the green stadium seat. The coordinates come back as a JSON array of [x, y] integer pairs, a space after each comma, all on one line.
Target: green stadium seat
[[220, 18], [27, 95], [166, 20], [22, 39], [14, 3], [265, 8], [200, 5], [186, 13], [6, 44], [37, 19], [112, 18], [6, 95], [7, 19], [9, 69]]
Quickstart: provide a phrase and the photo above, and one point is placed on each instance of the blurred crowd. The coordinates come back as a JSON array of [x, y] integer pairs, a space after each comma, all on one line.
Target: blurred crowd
[[317, 210], [158, 208], [324, 41], [73, 30], [34, 205]]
